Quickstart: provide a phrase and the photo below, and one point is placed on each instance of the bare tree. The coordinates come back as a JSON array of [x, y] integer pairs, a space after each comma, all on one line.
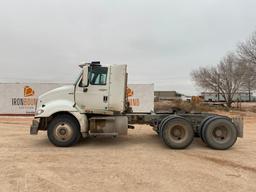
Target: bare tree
[[247, 50], [247, 59], [249, 78], [226, 78]]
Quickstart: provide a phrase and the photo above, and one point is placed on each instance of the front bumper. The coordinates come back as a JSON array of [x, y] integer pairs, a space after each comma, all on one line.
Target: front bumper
[[34, 127]]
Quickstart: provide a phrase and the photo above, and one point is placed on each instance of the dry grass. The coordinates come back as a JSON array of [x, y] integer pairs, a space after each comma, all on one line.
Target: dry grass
[[186, 106], [203, 107], [245, 106]]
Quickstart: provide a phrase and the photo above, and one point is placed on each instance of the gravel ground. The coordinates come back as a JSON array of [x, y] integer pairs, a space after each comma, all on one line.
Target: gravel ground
[[137, 162]]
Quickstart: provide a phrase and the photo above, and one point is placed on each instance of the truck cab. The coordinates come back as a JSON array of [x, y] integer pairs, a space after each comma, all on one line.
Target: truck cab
[[94, 105], [101, 89]]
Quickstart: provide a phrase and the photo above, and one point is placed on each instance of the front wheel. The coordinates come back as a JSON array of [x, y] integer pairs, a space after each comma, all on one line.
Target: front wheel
[[63, 131]]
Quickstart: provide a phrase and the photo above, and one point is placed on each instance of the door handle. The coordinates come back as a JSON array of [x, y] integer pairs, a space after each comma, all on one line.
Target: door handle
[[85, 89], [105, 99]]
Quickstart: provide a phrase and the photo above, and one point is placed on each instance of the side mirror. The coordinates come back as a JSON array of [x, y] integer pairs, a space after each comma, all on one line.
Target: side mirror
[[85, 80]]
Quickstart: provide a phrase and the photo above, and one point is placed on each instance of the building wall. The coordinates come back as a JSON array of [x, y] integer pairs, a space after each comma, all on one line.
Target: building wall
[[166, 95]]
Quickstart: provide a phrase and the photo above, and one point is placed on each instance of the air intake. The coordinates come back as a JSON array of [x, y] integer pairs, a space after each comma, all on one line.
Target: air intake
[[95, 63]]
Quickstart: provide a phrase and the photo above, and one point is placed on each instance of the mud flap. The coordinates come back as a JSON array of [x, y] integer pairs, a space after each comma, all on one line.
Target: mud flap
[[239, 123], [34, 127]]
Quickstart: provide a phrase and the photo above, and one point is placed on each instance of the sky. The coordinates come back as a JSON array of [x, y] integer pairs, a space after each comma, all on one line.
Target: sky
[[161, 41]]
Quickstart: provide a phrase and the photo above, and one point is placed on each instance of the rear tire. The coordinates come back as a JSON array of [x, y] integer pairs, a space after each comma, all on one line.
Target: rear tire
[[63, 131], [177, 133], [202, 127], [220, 134]]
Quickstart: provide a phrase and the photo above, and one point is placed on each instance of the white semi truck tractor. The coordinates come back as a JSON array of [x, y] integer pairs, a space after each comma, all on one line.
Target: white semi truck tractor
[[97, 105]]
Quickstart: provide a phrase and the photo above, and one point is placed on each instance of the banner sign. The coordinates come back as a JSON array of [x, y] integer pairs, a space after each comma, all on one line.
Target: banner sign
[[141, 97], [21, 98]]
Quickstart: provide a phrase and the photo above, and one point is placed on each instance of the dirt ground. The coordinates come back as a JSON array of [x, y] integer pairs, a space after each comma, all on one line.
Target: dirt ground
[[137, 162]]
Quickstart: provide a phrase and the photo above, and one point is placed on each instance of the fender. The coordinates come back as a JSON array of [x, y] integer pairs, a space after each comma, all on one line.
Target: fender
[[83, 121], [56, 106]]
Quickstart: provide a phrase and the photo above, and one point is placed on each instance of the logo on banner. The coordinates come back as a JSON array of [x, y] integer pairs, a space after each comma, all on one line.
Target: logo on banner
[[135, 102], [28, 91], [129, 92], [27, 102]]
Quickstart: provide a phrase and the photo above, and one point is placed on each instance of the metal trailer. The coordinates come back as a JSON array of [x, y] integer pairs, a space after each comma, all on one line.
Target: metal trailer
[[97, 105]]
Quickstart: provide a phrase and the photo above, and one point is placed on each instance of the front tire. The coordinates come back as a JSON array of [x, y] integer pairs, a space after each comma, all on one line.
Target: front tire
[[63, 131]]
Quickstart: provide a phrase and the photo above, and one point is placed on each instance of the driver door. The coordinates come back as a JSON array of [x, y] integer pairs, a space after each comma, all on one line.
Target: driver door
[[94, 97]]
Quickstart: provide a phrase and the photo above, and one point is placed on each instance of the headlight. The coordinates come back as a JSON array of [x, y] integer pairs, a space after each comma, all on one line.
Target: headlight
[[39, 112]]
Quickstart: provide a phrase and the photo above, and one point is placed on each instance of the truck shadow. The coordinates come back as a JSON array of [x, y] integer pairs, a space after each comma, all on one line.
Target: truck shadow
[[129, 141], [147, 141], [121, 141]]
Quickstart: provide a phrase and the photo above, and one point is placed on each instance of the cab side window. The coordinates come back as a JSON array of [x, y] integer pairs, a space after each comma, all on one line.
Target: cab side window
[[98, 75]]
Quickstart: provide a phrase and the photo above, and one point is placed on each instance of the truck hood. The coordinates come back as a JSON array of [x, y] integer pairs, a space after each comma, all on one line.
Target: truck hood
[[61, 93]]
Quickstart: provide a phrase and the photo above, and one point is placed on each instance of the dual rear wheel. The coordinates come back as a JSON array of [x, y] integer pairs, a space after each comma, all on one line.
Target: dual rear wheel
[[217, 132], [177, 133]]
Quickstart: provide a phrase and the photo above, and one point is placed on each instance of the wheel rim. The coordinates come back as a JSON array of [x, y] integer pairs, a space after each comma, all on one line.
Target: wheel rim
[[221, 134], [177, 132], [63, 132]]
